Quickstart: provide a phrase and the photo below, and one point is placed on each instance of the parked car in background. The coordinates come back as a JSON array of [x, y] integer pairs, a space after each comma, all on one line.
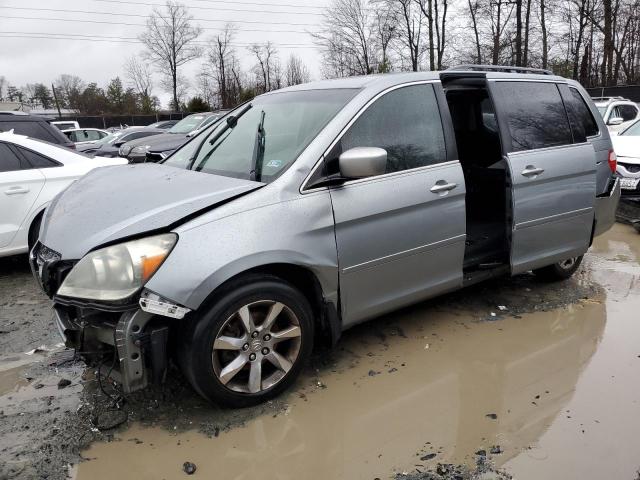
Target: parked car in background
[[617, 112], [108, 146], [314, 208], [65, 124], [627, 147], [34, 127], [32, 173], [82, 136], [161, 146], [164, 124]]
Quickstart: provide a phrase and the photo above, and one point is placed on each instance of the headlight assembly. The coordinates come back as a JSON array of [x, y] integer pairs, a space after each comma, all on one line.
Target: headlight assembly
[[141, 149], [118, 271], [124, 150]]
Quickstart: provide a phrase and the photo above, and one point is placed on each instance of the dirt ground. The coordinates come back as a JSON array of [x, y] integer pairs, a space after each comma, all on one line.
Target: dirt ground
[[511, 378]]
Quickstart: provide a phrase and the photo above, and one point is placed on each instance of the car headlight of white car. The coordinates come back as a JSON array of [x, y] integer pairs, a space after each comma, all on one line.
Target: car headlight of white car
[[118, 271], [141, 149]]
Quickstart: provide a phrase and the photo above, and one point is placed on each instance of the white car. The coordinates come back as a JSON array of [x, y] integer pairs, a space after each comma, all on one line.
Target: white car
[[66, 124], [85, 136], [617, 112], [32, 173], [627, 147]]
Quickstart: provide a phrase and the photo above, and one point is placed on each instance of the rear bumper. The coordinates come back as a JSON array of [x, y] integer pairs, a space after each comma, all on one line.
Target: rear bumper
[[139, 348], [606, 206]]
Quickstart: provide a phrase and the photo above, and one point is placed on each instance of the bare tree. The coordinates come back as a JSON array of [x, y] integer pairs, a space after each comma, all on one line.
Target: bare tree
[[435, 12], [69, 89], [170, 40], [222, 58], [265, 67], [473, 11], [347, 39], [296, 71], [410, 29], [138, 74]]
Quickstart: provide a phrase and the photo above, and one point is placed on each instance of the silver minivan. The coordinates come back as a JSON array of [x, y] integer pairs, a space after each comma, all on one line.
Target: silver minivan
[[316, 207]]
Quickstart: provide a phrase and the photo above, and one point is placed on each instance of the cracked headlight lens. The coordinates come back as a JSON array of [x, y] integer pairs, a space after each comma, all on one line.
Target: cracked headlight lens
[[118, 271]]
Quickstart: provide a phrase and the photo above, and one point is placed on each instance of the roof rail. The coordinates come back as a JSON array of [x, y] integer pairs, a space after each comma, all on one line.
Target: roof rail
[[500, 68]]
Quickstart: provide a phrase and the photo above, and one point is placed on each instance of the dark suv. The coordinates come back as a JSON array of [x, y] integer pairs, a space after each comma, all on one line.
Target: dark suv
[[33, 127]]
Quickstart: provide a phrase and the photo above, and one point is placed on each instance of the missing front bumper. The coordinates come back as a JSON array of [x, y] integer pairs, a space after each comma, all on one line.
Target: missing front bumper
[[139, 345]]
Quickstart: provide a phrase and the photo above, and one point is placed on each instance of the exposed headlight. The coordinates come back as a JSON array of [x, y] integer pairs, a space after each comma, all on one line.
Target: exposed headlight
[[124, 150], [141, 149], [118, 271]]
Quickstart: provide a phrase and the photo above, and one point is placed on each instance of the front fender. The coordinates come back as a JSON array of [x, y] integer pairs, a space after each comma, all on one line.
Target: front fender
[[297, 232]]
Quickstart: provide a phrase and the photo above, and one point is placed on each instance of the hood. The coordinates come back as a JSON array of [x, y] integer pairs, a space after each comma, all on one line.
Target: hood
[[626, 146], [87, 147], [162, 142], [112, 203]]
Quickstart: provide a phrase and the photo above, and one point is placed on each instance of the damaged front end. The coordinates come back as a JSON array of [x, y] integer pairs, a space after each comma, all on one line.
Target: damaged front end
[[127, 346], [126, 338]]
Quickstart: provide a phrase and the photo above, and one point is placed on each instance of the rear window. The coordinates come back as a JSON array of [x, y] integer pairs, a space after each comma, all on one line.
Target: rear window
[[534, 113], [627, 112], [582, 122], [30, 129]]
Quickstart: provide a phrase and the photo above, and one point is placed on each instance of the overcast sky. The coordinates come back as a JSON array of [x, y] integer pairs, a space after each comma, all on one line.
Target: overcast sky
[[80, 26]]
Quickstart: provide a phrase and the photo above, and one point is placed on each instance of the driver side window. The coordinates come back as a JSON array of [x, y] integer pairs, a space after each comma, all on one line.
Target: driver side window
[[406, 123]]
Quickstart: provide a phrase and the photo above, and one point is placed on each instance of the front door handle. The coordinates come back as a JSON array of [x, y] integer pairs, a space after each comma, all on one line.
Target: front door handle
[[16, 191], [531, 171], [443, 186]]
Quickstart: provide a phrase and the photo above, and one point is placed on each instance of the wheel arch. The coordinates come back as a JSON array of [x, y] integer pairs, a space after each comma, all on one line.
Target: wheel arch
[[326, 312], [39, 215]]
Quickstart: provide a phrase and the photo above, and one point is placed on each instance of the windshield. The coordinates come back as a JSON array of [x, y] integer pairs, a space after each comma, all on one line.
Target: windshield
[[109, 139], [187, 124], [268, 137], [633, 130]]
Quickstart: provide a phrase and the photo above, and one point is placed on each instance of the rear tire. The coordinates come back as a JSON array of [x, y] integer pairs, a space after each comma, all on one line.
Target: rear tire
[[249, 344], [560, 270]]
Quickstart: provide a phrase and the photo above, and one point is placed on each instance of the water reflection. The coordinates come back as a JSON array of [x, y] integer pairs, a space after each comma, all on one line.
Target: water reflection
[[449, 374]]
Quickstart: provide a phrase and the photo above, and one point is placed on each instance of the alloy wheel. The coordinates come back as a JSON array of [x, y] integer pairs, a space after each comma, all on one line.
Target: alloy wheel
[[256, 346]]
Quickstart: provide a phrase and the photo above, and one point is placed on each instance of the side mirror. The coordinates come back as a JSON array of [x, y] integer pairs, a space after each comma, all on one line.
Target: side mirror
[[361, 162], [119, 143], [615, 121]]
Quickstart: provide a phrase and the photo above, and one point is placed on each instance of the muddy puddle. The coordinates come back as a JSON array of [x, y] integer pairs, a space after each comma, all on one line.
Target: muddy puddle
[[554, 394]]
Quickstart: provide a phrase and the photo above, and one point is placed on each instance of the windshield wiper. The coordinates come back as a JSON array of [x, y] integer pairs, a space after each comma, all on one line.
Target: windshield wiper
[[232, 121], [258, 151]]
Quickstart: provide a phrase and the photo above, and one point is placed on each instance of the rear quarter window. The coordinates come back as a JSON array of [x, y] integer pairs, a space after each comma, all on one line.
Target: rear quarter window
[[36, 160], [9, 162], [534, 113], [581, 120]]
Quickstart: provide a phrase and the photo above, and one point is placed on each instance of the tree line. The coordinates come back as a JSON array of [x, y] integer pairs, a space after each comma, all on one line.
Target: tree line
[[594, 41]]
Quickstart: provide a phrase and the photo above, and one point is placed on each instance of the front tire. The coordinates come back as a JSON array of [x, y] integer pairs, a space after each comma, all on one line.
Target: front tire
[[250, 344], [560, 270]]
